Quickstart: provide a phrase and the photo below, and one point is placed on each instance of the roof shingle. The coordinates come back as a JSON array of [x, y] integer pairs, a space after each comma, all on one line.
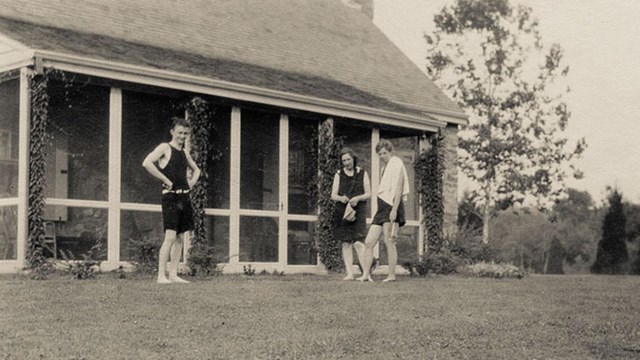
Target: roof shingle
[[318, 48]]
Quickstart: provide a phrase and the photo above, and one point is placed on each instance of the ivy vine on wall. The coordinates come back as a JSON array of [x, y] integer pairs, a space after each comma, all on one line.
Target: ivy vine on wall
[[36, 260], [201, 114], [430, 172], [328, 163]]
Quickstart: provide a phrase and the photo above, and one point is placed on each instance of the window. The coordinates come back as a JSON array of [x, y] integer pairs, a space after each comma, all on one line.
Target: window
[[259, 160], [146, 121], [8, 230], [218, 189], [83, 229], [9, 123], [303, 166], [77, 147]]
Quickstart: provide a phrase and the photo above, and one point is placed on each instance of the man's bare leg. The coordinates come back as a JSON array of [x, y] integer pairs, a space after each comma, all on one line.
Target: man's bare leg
[[369, 243], [163, 256], [176, 252]]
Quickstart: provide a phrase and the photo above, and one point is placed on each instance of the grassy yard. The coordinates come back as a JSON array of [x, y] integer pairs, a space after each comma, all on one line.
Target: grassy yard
[[321, 317]]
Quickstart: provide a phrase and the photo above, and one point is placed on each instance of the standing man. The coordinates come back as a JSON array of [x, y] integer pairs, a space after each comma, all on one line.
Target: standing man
[[172, 165]]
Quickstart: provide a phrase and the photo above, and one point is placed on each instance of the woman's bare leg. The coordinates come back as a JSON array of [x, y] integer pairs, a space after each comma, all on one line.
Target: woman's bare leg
[[369, 243], [347, 256]]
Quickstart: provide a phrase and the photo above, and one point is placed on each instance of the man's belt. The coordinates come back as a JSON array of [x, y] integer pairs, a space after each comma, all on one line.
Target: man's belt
[[180, 191]]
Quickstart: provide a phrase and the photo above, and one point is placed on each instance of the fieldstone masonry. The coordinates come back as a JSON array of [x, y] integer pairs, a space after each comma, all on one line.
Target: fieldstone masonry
[[450, 181]]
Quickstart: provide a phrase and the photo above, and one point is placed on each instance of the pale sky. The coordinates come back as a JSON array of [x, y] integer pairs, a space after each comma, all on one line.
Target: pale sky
[[601, 42]]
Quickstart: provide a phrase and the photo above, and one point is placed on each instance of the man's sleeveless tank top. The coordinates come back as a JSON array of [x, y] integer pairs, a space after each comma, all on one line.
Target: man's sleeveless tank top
[[176, 169]]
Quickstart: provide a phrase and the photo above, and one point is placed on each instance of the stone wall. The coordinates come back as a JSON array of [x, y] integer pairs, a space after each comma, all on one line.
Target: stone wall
[[450, 181]]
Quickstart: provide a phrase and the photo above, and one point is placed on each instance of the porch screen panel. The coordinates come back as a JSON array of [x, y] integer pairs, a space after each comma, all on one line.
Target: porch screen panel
[[258, 239], [9, 122], [217, 232], [146, 121], [301, 243], [218, 169], [8, 231], [76, 236], [140, 233], [77, 148], [259, 156], [303, 166]]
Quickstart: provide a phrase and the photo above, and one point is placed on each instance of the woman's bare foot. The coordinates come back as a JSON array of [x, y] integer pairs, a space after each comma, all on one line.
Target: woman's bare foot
[[176, 279]]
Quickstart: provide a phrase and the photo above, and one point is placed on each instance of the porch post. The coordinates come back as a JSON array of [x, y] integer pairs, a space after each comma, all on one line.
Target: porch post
[[115, 145], [423, 145], [23, 167], [234, 200]]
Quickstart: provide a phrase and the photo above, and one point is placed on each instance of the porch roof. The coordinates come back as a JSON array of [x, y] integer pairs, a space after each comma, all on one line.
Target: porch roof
[[312, 48]]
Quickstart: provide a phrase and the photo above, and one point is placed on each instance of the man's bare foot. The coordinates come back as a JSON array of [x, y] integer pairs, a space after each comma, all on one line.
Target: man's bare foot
[[349, 277], [365, 278], [175, 279], [163, 280], [389, 279]]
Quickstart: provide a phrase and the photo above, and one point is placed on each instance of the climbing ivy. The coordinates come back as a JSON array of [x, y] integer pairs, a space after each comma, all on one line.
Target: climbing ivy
[[36, 261], [430, 171], [328, 163], [201, 116]]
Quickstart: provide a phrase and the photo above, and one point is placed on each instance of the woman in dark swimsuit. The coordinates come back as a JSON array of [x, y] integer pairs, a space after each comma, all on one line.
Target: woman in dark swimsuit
[[350, 186]]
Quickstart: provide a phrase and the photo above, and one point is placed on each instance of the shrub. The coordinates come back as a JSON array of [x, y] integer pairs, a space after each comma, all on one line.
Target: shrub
[[203, 261], [555, 257], [612, 252], [85, 268], [145, 254], [248, 270], [275, 272], [492, 270], [442, 263], [466, 244], [42, 269]]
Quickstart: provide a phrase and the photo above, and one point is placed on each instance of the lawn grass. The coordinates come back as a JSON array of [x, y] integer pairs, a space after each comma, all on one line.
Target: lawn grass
[[321, 317]]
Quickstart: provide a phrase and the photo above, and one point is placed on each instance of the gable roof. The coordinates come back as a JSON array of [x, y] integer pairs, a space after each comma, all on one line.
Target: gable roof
[[316, 48]]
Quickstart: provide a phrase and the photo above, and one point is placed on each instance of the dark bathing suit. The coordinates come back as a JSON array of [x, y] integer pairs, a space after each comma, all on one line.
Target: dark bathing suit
[[177, 213], [350, 186]]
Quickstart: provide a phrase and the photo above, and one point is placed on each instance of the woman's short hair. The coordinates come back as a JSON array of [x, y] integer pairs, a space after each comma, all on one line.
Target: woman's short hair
[[384, 144], [178, 121], [348, 150]]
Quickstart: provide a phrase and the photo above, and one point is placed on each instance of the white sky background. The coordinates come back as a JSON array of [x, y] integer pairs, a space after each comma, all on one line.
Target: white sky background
[[601, 42]]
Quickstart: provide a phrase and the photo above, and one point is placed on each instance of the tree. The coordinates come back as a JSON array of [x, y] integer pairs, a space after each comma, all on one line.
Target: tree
[[577, 223], [612, 248], [468, 215], [555, 258], [523, 237], [632, 213], [489, 57]]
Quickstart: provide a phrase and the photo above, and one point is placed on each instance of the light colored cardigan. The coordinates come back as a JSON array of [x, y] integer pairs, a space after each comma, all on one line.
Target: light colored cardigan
[[389, 181]]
